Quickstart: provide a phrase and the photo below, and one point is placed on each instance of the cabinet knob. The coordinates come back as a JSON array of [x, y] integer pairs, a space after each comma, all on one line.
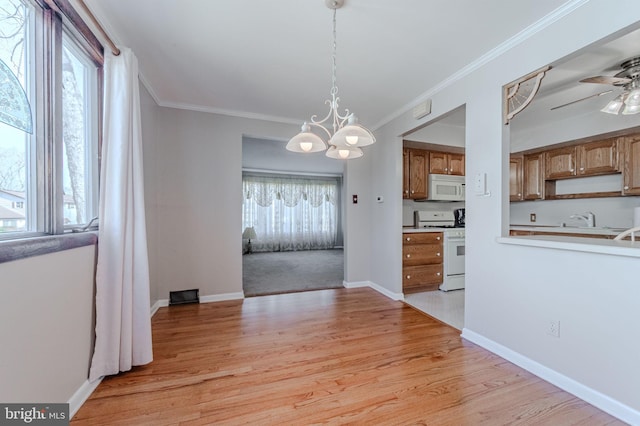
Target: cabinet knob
[[408, 277], [519, 194], [437, 254], [582, 169], [412, 192], [446, 169], [438, 238], [408, 238], [626, 188], [408, 256], [537, 193], [438, 273], [571, 170]]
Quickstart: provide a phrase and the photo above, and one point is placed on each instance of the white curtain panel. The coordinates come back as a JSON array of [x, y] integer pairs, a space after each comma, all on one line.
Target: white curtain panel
[[123, 321], [290, 213]]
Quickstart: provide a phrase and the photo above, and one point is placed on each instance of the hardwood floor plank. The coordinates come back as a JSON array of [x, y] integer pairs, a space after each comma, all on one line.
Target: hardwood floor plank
[[333, 356]]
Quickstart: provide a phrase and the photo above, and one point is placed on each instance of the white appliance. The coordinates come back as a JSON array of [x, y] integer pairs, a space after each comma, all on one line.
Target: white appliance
[[445, 188], [430, 219], [453, 245], [453, 259]]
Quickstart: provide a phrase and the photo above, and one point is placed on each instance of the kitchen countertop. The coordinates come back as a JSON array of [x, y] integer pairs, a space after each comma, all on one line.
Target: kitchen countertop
[[411, 229], [605, 230]]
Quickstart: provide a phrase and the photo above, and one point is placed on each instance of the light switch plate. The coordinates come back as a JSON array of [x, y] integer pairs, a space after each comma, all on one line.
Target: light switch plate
[[480, 184]]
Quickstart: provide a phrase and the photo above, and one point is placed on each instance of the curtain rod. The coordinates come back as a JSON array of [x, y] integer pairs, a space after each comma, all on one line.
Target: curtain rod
[[114, 48]]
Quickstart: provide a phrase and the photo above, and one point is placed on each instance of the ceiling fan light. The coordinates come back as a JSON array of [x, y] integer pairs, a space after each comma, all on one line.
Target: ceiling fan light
[[631, 109], [306, 142], [633, 99], [344, 152], [614, 106]]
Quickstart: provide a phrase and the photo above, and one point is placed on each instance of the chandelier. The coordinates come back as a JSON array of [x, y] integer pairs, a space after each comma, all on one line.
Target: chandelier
[[346, 136]]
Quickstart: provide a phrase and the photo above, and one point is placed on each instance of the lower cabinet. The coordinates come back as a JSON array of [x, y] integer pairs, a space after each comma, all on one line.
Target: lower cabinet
[[422, 254]]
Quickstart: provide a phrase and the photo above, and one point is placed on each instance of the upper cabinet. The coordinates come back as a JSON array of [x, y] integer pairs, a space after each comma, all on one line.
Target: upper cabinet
[[533, 182], [534, 175], [445, 163], [515, 178], [560, 163], [631, 169], [589, 159], [597, 158], [418, 163], [414, 173]]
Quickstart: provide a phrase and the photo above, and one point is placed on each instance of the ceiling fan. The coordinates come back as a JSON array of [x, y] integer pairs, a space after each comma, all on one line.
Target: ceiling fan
[[628, 102]]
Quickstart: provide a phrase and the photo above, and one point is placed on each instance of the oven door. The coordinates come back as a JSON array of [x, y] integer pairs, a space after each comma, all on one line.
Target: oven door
[[455, 256]]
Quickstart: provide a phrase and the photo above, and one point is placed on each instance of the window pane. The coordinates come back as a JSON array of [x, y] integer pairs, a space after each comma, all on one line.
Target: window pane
[[17, 159], [79, 134]]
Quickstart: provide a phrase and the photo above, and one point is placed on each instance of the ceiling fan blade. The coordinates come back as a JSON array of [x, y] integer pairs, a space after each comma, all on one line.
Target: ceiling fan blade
[[605, 79], [580, 100]]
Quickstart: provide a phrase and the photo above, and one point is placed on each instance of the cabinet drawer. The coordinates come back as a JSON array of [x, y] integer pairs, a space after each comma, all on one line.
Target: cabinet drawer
[[422, 238], [414, 276], [421, 254]]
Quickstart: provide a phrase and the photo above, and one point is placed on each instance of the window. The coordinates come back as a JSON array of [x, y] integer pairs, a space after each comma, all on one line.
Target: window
[[291, 213], [49, 178]]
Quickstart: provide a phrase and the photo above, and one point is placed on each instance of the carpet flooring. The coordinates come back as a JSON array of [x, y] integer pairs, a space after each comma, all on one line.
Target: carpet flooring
[[292, 271]]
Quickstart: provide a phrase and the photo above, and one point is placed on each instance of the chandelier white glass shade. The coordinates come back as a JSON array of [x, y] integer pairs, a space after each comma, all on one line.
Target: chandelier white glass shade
[[346, 136], [628, 102]]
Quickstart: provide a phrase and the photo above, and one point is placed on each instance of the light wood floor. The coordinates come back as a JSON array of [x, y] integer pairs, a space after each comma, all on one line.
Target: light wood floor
[[331, 356]]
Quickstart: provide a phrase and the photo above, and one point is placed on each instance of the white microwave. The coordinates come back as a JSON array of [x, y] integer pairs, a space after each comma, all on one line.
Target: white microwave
[[445, 188]]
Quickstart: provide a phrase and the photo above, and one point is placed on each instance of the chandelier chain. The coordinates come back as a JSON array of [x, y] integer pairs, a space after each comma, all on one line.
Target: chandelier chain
[[334, 87]]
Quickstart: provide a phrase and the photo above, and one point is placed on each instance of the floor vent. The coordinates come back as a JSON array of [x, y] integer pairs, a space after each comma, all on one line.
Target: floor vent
[[184, 296]]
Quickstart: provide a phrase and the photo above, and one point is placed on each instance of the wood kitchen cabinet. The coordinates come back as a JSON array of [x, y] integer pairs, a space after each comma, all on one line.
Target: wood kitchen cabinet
[[631, 169], [589, 159], [532, 176], [446, 163], [560, 163], [422, 267], [414, 173], [515, 178], [598, 158]]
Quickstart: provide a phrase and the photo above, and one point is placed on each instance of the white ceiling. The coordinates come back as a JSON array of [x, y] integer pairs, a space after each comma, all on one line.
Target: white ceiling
[[272, 59], [562, 84]]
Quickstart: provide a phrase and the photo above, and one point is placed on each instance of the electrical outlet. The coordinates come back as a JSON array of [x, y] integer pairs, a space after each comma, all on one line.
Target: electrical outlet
[[532, 217], [553, 328]]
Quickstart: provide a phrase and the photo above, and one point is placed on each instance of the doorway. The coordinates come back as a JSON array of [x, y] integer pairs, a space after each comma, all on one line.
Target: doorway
[[447, 134], [292, 210]]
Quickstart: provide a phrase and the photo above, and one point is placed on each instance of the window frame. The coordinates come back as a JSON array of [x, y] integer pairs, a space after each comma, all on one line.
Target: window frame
[[45, 207]]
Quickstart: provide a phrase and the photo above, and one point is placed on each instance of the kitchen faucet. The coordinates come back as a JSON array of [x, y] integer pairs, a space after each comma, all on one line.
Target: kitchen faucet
[[588, 217]]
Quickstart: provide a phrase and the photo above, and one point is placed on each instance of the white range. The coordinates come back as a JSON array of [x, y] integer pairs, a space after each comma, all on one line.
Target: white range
[[453, 262]]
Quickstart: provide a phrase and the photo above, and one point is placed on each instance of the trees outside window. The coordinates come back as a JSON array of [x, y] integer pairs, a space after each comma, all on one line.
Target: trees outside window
[[54, 171]]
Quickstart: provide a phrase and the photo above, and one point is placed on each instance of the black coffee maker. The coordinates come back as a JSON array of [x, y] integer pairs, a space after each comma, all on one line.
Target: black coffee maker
[[458, 216]]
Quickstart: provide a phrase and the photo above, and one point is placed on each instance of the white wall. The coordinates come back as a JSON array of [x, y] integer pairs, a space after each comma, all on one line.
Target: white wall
[[440, 134], [264, 154], [197, 215], [149, 111], [614, 212], [513, 291], [47, 325]]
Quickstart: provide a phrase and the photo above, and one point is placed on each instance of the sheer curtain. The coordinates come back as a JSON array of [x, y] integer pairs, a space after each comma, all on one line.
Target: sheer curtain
[[123, 319], [290, 213]]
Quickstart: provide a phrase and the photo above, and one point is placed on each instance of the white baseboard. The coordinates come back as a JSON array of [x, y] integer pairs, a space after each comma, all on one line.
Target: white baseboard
[[593, 397], [81, 395], [376, 287], [222, 297], [203, 299], [159, 304], [356, 284]]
